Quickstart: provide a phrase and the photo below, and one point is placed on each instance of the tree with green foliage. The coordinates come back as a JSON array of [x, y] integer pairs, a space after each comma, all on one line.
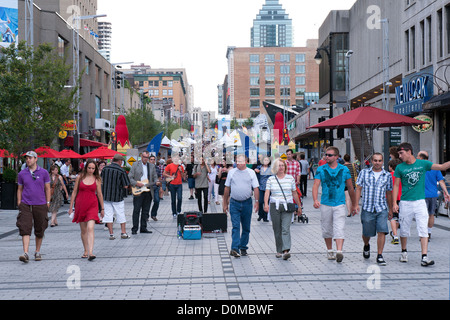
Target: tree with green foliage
[[34, 102]]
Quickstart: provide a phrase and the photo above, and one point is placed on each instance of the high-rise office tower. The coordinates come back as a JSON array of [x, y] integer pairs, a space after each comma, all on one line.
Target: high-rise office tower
[[272, 27], [104, 39]]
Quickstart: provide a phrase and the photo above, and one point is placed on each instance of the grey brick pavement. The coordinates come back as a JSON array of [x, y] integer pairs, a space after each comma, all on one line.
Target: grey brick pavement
[[161, 267]]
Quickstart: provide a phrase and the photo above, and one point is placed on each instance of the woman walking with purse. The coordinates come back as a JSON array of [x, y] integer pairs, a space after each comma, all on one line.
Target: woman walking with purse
[[88, 188], [56, 186], [281, 191]]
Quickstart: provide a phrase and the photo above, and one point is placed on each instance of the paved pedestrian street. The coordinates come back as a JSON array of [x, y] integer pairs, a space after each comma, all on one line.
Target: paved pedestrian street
[[159, 266]]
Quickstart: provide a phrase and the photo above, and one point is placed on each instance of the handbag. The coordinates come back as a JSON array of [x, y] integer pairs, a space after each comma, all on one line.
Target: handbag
[[290, 206]]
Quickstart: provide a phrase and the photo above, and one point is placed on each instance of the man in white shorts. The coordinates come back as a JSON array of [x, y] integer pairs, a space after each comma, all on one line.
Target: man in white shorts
[[412, 204], [333, 177], [114, 180]]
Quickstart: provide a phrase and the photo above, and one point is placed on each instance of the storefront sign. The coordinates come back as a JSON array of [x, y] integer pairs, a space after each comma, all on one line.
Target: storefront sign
[[396, 137], [69, 125], [416, 90], [424, 127], [413, 90]]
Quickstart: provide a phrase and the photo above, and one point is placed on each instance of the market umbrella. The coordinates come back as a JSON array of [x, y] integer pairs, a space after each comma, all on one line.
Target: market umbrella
[[367, 117], [47, 152], [69, 154], [5, 154], [101, 153]]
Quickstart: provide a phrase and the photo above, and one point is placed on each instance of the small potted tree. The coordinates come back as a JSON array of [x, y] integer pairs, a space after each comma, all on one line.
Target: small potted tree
[[9, 189]]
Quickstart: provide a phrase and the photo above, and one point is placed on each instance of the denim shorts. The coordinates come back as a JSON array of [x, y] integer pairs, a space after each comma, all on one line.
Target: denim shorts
[[374, 222]]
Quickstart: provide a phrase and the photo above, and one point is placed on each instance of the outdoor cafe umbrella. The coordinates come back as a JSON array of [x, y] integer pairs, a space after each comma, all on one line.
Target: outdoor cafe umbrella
[[367, 117], [69, 154], [47, 152], [101, 153]]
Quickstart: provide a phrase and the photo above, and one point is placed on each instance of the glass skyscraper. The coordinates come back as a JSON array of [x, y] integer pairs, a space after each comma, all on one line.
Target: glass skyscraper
[[272, 26]]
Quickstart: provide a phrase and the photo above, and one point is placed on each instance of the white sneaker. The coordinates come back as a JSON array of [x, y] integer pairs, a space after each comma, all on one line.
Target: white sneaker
[[330, 255], [426, 262], [404, 257]]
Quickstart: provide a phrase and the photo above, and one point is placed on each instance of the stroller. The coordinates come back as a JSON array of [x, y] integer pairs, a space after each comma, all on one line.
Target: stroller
[[301, 218]]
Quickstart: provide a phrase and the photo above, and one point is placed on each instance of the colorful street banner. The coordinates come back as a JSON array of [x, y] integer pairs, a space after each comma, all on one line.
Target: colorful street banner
[[9, 22], [155, 144]]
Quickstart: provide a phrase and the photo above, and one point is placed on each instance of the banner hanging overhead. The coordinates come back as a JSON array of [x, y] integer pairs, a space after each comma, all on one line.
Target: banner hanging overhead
[[9, 22]]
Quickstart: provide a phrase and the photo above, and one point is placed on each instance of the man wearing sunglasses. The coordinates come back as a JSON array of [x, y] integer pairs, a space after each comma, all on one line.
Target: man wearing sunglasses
[[33, 200], [333, 177]]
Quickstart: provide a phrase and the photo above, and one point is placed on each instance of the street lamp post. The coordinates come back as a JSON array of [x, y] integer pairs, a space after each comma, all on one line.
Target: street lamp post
[[328, 50], [76, 72]]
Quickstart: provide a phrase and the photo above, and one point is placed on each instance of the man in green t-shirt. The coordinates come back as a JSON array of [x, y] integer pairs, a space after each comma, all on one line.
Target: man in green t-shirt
[[411, 173]]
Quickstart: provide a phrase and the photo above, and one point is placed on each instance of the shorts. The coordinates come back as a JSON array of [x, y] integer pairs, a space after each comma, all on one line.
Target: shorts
[[374, 222], [410, 210], [431, 205], [191, 183], [29, 215], [333, 221], [114, 208]]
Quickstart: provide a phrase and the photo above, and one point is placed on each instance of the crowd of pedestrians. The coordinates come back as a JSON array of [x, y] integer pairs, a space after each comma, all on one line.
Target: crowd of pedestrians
[[273, 188]]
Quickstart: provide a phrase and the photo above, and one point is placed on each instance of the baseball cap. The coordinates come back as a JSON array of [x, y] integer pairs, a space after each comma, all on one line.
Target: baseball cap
[[31, 154]]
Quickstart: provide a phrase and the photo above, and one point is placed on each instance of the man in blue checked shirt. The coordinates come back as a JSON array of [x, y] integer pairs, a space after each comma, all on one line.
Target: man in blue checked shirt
[[377, 185]]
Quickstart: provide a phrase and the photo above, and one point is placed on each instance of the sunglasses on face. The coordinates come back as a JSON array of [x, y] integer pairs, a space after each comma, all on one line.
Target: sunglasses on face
[[329, 155]]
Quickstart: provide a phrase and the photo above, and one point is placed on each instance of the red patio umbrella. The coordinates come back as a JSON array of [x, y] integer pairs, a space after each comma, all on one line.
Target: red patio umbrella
[[367, 117], [100, 153], [69, 154], [5, 154], [47, 152]]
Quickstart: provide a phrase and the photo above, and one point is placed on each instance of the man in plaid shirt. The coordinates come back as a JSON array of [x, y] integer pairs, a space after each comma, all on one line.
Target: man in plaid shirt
[[377, 185], [293, 166]]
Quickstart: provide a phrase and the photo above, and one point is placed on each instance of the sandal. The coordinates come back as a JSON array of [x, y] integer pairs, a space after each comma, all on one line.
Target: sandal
[[84, 256], [91, 258]]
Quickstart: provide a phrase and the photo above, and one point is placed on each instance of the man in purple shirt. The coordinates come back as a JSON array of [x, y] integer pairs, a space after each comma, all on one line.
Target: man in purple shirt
[[33, 199]]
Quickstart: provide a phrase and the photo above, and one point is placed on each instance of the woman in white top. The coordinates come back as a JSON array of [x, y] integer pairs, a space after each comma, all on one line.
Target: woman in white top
[[212, 181], [281, 219]]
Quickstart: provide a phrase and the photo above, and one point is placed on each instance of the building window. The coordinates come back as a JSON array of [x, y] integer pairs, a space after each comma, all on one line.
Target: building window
[[285, 91], [269, 58], [87, 64], [254, 58], [285, 69], [270, 92], [254, 103], [170, 84], [285, 81], [254, 92], [254, 81], [300, 57], [270, 81], [285, 57], [300, 69], [270, 69], [299, 81], [61, 47], [299, 92], [254, 69]]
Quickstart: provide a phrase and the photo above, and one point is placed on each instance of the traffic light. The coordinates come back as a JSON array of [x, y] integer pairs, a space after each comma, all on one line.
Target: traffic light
[[119, 78], [113, 141], [321, 131], [285, 136]]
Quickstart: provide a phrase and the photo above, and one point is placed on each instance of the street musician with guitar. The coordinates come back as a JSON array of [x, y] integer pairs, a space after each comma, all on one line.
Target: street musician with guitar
[[143, 178]]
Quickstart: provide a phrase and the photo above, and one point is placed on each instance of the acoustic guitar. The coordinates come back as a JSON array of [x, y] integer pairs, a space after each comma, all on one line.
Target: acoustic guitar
[[136, 191]]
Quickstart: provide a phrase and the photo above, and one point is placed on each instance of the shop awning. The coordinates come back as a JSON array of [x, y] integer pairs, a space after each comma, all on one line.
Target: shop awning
[[68, 142], [440, 101]]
